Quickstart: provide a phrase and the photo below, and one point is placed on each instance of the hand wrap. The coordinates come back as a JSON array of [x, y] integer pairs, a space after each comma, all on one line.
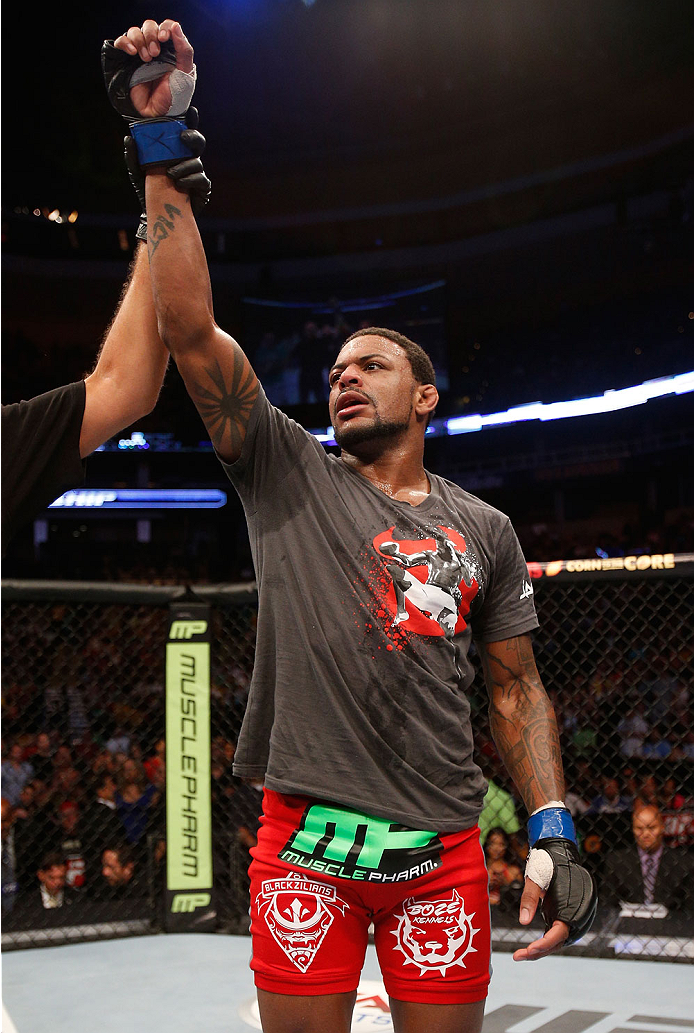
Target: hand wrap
[[158, 139], [553, 863]]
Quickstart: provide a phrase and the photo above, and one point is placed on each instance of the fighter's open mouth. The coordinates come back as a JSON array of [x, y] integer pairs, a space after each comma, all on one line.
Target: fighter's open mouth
[[349, 403]]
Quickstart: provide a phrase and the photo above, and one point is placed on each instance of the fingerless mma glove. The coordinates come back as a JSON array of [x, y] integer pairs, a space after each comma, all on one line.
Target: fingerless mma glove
[[169, 142], [553, 863]]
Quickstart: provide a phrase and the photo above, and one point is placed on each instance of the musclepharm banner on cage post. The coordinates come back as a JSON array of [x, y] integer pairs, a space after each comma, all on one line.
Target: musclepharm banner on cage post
[[189, 877]]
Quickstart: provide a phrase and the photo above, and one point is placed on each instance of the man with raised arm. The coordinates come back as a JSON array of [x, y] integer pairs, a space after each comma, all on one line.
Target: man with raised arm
[[46, 439], [358, 721]]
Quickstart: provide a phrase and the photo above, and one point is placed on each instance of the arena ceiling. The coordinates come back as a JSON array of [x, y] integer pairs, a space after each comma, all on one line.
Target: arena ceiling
[[347, 104]]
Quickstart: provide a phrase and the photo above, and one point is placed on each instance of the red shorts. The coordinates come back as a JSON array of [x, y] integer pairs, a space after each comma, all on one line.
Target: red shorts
[[322, 874]]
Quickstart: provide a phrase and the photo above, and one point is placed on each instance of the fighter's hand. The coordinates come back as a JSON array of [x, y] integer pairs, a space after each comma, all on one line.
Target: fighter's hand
[[153, 99], [552, 940]]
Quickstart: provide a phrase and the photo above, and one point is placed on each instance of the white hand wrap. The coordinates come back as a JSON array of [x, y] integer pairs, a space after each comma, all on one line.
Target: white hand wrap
[[182, 84], [540, 868]]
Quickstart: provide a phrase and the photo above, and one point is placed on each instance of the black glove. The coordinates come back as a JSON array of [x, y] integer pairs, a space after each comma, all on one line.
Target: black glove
[[170, 142], [571, 896], [189, 174]]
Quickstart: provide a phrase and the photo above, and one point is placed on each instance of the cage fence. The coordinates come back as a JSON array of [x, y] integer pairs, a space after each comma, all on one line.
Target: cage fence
[[84, 832]]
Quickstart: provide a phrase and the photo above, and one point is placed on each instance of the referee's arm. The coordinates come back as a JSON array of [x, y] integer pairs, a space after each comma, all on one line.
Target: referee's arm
[[125, 383]]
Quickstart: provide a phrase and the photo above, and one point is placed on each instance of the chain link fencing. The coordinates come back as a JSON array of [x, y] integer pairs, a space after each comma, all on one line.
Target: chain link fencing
[[84, 756]]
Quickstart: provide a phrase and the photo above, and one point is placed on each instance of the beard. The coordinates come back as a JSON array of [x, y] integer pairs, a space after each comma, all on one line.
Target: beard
[[349, 436]]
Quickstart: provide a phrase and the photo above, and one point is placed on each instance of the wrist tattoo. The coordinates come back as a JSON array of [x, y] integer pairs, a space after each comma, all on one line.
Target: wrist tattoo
[[162, 226]]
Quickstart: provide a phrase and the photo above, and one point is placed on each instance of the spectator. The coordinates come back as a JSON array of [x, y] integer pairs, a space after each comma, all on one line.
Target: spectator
[[134, 804], [575, 802], [663, 690], [155, 764], [683, 744], [678, 815], [103, 762], [27, 806], [52, 876], [10, 885], [632, 730], [656, 745], [16, 772], [121, 871], [72, 838], [62, 759], [610, 800], [106, 792], [101, 822], [673, 799], [648, 793], [505, 874], [67, 785], [648, 871], [41, 757], [119, 741]]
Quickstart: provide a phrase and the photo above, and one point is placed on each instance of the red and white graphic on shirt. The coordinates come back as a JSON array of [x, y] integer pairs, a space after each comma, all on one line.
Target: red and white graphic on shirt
[[432, 581], [298, 912], [435, 935]]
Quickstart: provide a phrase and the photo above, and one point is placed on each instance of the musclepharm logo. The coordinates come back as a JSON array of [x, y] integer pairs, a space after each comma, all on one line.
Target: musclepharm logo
[[527, 591], [186, 903], [186, 629]]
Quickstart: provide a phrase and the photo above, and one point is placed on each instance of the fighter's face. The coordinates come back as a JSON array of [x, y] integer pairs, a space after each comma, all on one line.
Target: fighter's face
[[372, 391]]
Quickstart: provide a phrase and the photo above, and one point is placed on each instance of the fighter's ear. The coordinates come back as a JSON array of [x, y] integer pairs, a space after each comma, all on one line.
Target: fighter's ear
[[426, 400]]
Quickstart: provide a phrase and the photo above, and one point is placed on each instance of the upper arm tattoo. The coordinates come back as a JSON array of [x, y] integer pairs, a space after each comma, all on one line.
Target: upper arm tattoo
[[522, 721], [226, 410]]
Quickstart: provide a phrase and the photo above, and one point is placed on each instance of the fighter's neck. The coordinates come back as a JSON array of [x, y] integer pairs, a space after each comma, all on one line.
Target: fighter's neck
[[401, 477]]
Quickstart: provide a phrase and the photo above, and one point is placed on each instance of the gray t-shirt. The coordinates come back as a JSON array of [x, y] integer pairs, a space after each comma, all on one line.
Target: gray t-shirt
[[366, 609]]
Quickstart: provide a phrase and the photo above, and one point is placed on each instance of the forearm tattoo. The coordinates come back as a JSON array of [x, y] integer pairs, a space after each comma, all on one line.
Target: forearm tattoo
[[226, 410], [522, 721], [161, 227]]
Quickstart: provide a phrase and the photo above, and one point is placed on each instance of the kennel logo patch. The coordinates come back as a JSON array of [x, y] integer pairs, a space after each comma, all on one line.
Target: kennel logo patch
[[435, 935]]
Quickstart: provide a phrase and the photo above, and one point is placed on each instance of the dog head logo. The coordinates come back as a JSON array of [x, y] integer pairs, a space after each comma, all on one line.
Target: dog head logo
[[298, 912], [434, 935]]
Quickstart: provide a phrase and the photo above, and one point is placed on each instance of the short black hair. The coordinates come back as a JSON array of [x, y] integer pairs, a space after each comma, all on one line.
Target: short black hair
[[53, 860], [422, 366], [123, 851]]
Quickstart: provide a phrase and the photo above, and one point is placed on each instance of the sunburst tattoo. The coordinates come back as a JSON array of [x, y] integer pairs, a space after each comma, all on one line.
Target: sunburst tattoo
[[226, 411]]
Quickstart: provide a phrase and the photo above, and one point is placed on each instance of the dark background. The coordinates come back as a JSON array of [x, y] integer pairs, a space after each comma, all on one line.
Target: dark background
[[536, 158]]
